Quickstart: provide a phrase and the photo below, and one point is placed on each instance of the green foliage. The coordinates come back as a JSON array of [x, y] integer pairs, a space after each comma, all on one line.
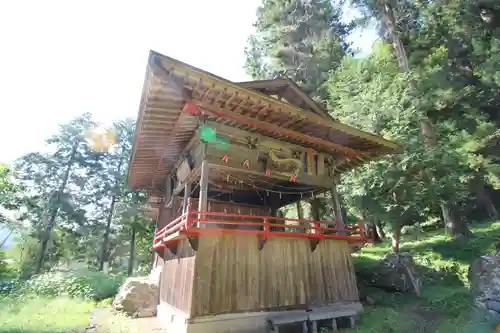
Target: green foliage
[[445, 304], [68, 206], [5, 269], [83, 284], [24, 255], [408, 187], [302, 40]]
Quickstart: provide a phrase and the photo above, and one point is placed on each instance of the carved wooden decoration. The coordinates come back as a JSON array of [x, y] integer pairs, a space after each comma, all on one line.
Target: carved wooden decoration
[[289, 167], [310, 162]]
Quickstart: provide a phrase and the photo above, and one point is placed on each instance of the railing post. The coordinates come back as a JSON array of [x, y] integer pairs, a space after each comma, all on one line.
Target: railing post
[[317, 228], [267, 230], [188, 221]]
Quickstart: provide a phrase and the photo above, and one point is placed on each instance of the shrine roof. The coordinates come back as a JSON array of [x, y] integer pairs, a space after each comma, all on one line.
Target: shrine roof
[[275, 108]]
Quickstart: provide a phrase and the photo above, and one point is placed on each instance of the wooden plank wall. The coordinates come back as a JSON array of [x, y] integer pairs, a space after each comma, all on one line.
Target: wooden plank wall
[[178, 271], [177, 277], [232, 275]]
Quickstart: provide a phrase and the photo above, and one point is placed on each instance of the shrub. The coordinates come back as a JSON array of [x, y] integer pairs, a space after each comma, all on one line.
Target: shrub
[[5, 270], [82, 284]]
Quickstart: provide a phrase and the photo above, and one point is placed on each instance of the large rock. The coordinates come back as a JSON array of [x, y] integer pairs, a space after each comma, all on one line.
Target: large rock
[[137, 297], [395, 272], [484, 276]]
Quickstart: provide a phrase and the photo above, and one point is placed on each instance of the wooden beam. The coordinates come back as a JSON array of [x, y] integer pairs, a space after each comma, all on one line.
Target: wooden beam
[[273, 129], [177, 82], [239, 135], [322, 182]]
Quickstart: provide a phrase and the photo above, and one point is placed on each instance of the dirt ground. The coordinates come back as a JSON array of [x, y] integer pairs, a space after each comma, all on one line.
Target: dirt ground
[[104, 320]]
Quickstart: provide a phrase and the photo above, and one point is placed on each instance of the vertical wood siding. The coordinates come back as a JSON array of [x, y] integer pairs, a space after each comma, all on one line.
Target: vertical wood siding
[[178, 271], [232, 275], [177, 277]]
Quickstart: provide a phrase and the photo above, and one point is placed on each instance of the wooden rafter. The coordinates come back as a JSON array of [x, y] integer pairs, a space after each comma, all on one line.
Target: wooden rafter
[[273, 129], [173, 132]]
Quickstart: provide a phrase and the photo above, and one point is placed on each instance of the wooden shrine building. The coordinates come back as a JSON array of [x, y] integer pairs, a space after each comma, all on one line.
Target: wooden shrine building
[[219, 160]]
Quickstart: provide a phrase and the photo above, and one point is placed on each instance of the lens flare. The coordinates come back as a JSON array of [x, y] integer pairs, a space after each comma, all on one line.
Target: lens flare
[[100, 139]]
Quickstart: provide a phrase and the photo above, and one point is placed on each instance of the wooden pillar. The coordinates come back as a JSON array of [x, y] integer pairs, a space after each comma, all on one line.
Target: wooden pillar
[[314, 326], [187, 194], [334, 325], [203, 197], [305, 329]]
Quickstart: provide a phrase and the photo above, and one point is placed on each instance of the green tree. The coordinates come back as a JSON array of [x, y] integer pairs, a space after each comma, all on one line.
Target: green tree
[[302, 40], [113, 177], [55, 178], [439, 52]]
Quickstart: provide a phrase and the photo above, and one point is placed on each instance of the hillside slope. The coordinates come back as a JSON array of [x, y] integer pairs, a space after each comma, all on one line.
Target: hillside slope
[[445, 305]]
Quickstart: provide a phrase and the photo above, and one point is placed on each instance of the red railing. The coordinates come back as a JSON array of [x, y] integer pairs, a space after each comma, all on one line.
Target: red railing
[[194, 223]]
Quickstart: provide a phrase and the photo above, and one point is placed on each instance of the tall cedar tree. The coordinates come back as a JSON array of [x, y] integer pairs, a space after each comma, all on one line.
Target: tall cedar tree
[[56, 181], [302, 40]]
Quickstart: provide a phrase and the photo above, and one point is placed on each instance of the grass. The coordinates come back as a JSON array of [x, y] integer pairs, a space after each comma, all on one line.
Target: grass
[[446, 305], [44, 315]]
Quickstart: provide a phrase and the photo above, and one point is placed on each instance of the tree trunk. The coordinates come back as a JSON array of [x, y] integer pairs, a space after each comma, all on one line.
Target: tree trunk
[[484, 198], [426, 128], [455, 225], [55, 209], [374, 234], [379, 229], [105, 239], [396, 236], [300, 214], [399, 49], [337, 206], [132, 252]]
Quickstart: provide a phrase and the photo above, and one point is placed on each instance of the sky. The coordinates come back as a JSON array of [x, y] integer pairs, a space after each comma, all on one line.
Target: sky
[[59, 59]]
